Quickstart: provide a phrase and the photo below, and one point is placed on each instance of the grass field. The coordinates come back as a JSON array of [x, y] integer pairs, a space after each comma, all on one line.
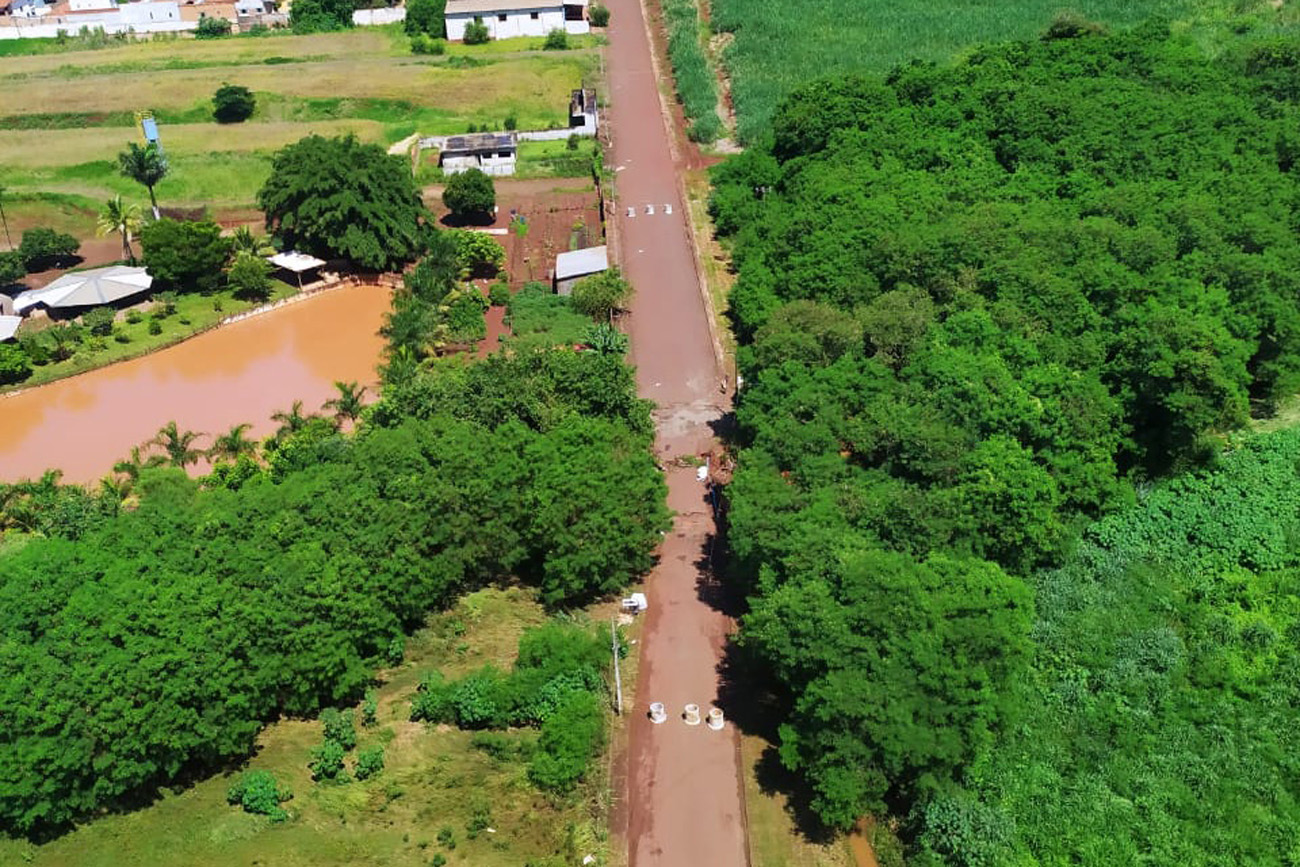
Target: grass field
[[779, 44], [433, 779], [66, 114]]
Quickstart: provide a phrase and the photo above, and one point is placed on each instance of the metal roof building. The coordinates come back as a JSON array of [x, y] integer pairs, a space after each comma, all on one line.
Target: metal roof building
[[573, 266], [92, 288]]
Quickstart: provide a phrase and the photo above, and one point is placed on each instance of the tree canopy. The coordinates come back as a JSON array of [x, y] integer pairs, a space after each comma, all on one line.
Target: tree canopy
[[185, 256], [338, 198], [470, 195]]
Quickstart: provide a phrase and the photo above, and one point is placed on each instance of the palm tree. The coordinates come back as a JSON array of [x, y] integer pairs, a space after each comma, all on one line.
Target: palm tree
[[145, 165], [131, 467], [233, 444], [292, 421], [178, 444], [350, 402], [117, 216], [244, 243]]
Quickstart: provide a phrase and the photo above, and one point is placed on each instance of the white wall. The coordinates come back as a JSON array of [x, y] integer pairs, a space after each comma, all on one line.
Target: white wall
[[144, 14], [49, 27], [519, 22], [366, 17], [84, 5]]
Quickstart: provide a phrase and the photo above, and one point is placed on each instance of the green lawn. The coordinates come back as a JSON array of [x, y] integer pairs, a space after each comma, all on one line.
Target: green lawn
[[433, 779], [194, 313]]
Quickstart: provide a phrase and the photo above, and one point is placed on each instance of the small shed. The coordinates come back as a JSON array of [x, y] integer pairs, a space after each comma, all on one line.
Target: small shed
[[582, 111], [296, 263], [575, 265], [493, 153]]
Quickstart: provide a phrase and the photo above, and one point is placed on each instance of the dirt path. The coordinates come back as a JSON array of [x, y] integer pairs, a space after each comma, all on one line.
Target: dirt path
[[683, 794]]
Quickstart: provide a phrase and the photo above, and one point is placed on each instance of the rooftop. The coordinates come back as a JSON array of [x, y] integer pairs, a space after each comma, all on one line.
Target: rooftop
[[295, 261], [579, 263], [482, 141], [487, 7]]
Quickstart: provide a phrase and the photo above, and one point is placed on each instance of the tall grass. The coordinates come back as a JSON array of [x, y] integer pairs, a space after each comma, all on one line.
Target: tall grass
[[697, 86], [780, 44]]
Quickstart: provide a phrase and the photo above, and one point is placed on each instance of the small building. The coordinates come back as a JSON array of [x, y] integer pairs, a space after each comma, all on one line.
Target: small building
[[25, 8], [506, 19], [582, 111], [575, 265], [493, 153], [78, 291]]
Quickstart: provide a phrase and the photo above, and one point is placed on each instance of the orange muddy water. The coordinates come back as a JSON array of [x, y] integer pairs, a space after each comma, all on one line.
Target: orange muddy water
[[238, 373]]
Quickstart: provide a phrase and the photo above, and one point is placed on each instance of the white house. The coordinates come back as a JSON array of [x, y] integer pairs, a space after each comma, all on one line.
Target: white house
[[492, 153], [509, 18], [25, 8]]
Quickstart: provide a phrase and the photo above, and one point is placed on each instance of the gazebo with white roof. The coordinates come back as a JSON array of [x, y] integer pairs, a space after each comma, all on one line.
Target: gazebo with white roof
[[92, 288], [296, 262]]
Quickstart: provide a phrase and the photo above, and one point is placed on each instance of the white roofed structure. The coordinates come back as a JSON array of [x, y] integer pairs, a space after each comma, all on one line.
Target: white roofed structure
[[92, 288], [9, 326], [573, 266], [296, 263]]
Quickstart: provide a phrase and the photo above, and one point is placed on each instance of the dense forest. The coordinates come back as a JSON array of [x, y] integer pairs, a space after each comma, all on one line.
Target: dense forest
[[141, 646], [982, 310]]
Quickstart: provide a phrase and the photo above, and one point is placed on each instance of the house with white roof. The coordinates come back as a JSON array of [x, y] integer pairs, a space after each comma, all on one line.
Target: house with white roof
[[506, 19]]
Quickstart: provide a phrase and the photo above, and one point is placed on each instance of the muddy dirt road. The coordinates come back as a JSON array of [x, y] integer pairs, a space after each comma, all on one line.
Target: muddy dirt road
[[683, 795]]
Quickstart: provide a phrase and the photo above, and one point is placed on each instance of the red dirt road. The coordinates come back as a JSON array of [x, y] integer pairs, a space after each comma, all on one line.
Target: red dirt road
[[683, 793]]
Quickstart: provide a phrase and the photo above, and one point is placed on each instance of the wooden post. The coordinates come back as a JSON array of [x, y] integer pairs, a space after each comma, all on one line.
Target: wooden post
[[618, 679]]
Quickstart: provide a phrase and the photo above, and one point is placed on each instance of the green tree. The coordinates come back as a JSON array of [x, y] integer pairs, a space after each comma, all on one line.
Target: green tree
[[233, 444], [340, 198], [144, 165], [476, 33], [320, 16], [249, 276], [212, 27], [122, 218], [291, 420], [15, 366], [258, 792], [43, 248], [349, 403], [477, 253], [470, 196], [99, 321], [233, 103], [426, 16], [601, 295], [185, 256], [556, 40], [178, 445], [12, 267], [242, 240], [370, 761], [327, 762], [598, 15]]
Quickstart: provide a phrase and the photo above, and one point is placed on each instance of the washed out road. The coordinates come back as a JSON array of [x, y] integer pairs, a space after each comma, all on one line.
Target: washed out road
[[683, 787]]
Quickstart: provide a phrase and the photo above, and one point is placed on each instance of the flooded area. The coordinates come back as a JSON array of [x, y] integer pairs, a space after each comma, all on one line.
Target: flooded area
[[238, 373]]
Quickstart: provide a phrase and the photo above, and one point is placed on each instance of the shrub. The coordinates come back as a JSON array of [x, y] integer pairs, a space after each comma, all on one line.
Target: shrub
[[339, 728], [571, 143], [470, 195], [166, 304], [370, 709], [99, 321], [121, 337], [370, 762], [155, 327], [327, 762], [569, 740], [447, 837], [43, 248], [425, 18], [423, 43], [556, 40], [510, 122], [186, 256], [233, 103], [12, 267], [598, 15], [211, 27], [478, 253], [258, 793], [250, 277], [475, 701], [499, 294], [476, 33], [134, 317], [599, 295], [15, 365]]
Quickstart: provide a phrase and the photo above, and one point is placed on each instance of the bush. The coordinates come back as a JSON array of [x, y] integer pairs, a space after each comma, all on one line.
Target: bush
[[423, 43], [258, 793], [339, 727], [233, 103], [476, 33], [470, 195], [499, 294], [43, 248], [370, 762], [478, 253], [425, 18], [166, 302], [211, 27], [99, 321], [327, 762], [510, 122], [15, 366], [569, 740], [370, 709], [12, 267], [155, 327], [598, 15], [556, 40], [599, 295], [185, 256], [250, 277], [475, 701], [134, 317]]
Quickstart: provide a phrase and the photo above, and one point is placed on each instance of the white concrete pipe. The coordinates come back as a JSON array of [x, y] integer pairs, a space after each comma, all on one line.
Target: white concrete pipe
[[715, 719], [657, 712], [692, 715]]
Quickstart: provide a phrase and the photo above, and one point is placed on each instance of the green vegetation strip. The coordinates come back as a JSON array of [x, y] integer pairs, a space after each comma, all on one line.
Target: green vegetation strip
[[697, 84], [979, 308]]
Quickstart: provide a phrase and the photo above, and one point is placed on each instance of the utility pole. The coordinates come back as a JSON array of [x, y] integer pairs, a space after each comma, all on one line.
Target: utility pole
[[618, 679], [4, 220]]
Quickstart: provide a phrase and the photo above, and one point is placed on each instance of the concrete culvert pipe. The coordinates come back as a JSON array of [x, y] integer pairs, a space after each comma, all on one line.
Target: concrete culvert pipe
[[692, 715], [715, 719], [657, 712]]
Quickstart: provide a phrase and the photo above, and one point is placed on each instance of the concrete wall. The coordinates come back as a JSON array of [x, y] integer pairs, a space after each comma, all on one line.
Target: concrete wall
[[49, 27], [367, 17], [494, 165]]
